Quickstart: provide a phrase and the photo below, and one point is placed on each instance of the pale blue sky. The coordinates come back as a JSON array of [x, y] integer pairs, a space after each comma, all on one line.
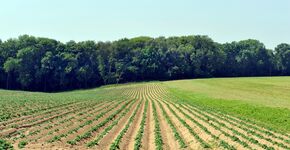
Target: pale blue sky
[[102, 20]]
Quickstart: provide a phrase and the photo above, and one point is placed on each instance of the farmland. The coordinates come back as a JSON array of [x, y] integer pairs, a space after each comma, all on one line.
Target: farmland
[[156, 115]]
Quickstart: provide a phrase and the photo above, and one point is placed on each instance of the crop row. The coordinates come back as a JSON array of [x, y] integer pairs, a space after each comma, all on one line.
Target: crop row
[[249, 131], [191, 131], [222, 143], [116, 143], [157, 130], [65, 122], [251, 125], [88, 122], [140, 133], [98, 126], [109, 128], [175, 132]]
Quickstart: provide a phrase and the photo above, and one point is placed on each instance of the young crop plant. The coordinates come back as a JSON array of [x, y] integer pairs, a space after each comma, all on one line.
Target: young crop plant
[[157, 130], [54, 139], [249, 131], [226, 145], [235, 132], [222, 142], [200, 125], [22, 144], [88, 122], [175, 132], [95, 128], [107, 129], [4, 145], [249, 124], [192, 132], [140, 132], [115, 144], [34, 132], [254, 132]]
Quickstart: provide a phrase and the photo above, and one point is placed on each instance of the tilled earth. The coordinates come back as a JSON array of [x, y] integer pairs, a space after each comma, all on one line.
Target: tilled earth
[[144, 116]]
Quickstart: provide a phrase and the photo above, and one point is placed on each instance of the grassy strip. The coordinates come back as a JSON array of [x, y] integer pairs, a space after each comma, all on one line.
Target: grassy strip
[[140, 133], [233, 137], [276, 120], [157, 130], [269, 132], [252, 140], [222, 142], [175, 132], [249, 126], [213, 103]]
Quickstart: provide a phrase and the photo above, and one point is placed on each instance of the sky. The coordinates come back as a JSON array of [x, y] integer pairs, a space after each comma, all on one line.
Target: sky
[[106, 20]]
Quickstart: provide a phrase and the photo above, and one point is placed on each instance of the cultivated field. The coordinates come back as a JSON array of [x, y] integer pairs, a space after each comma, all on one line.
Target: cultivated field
[[134, 116]]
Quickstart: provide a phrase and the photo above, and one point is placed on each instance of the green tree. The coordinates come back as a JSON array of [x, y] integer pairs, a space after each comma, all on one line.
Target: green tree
[[43, 64], [283, 57], [10, 66]]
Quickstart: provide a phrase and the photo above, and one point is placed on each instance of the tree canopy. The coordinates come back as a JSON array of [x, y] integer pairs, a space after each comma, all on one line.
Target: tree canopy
[[42, 64]]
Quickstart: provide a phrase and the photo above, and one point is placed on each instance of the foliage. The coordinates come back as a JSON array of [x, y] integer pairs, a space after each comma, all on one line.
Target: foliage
[[22, 144], [4, 145], [42, 64]]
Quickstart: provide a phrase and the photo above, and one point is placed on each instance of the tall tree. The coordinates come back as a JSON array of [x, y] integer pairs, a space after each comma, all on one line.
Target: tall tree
[[283, 57], [10, 66]]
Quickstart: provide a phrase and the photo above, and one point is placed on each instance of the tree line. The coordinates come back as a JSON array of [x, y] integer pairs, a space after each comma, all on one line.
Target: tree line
[[43, 64]]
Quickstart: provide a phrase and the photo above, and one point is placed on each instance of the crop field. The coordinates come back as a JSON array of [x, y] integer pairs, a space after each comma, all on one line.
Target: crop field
[[130, 116]]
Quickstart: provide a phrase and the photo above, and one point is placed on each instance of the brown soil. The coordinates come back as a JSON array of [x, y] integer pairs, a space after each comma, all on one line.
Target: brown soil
[[152, 92], [148, 138], [168, 137], [105, 143], [128, 140]]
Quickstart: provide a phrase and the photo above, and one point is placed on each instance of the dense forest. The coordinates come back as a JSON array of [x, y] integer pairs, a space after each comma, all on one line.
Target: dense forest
[[42, 64]]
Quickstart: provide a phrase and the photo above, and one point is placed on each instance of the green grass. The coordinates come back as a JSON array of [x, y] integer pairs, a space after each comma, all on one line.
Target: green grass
[[264, 100]]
